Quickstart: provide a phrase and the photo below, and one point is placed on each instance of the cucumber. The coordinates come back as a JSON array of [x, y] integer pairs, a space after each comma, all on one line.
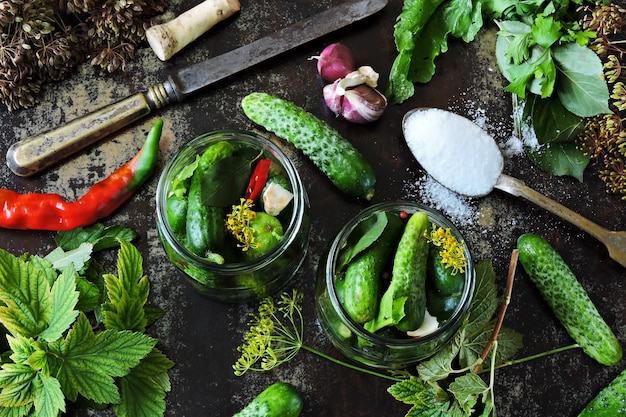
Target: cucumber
[[440, 277], [609, 402], [363, 281], [440, 305], [327, 149], [568, 299], [278, 400], [408, 276], [205, 230]]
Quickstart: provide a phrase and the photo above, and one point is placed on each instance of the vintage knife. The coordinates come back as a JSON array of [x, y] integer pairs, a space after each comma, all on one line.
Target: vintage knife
[[31, 155]]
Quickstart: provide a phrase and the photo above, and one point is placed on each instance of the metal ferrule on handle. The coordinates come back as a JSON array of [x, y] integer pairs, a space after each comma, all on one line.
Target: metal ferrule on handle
[[33, 154]]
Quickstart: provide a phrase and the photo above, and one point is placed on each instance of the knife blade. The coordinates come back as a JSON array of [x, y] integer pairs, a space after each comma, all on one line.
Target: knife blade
[[36, 153]]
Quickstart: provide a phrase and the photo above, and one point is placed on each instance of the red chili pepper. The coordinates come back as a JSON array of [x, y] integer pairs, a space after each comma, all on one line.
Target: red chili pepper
[[258, 179], [37, 211]]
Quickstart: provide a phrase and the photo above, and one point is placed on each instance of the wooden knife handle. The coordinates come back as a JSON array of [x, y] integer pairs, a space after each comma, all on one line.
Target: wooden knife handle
[[33, 154]]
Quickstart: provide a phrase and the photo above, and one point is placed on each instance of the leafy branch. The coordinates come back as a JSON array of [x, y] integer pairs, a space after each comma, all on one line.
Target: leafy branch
[[59, 351]]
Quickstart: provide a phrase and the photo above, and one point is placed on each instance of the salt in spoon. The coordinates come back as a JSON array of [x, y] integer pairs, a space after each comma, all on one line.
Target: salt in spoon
[[439, 139]]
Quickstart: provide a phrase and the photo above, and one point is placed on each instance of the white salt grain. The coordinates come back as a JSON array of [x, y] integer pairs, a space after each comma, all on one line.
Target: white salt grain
[[454, 151]]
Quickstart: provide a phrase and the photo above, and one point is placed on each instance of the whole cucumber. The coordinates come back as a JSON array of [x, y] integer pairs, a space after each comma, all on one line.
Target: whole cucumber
[[568, 299], [408, 276], [329, 151], [362, 279], [278, 400], [610, 402], [205, 230]]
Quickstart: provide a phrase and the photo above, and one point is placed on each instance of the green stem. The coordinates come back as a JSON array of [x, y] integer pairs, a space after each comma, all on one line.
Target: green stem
[[350, 366], [531, 357]]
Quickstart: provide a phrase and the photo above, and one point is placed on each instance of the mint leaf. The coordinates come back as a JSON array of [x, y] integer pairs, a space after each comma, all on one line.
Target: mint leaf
[[143, 390], [88, 362], [127, 293], [581, 86]]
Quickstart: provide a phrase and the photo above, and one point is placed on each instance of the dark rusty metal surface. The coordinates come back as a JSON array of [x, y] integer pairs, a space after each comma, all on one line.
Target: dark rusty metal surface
[[201, 335]]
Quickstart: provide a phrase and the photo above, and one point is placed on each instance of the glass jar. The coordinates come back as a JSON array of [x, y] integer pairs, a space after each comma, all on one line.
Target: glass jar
[[249, 279], [387, 350]]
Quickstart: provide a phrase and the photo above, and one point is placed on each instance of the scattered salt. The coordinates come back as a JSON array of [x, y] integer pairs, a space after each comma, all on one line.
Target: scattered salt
[[457, 208], [454, 150]]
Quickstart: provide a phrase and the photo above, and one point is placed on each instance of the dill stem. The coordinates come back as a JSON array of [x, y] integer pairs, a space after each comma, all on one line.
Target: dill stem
[[349, 365]]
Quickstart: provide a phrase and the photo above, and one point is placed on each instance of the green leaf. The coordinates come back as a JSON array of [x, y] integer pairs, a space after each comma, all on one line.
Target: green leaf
[[581, 85], [180, 184], [551, 121], [25, 292], [89, 297], [49, 401], [485, 302], [464, 19], [79, 257], [411, 21], [63, 299], [561, 158], [100, 236], [439, 366], [143, 390], [88, 362], [16, 383], [466, 389], [545, 31], [428, 400], [127, 293], [367, 234]]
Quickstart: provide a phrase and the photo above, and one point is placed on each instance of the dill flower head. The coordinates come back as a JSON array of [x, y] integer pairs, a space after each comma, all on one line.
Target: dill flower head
[[451, 250], [274, 335], [238, 223]]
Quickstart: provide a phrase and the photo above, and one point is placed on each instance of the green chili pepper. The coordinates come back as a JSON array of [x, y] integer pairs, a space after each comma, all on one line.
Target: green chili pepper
[[38, 211]]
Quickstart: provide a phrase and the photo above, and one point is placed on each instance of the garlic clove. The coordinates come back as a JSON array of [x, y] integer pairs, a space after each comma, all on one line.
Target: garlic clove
[[363, 104], [335, 62], [333, 99]]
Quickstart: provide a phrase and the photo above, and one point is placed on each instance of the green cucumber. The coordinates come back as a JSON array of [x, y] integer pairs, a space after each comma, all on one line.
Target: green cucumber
[[205, 230], [327, 149], [568, 299], [440, 305], [278, 400], [408, 276], [610, 402], [440, 277], [363, 281]]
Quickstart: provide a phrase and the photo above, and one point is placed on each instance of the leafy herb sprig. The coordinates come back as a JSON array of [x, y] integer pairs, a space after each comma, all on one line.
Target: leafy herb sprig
[[77, 334]]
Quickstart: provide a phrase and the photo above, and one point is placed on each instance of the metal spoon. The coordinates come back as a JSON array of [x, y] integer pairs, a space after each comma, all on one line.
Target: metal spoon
[[439, 139]]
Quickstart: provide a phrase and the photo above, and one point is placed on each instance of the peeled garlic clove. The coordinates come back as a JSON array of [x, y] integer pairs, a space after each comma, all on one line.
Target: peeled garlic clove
[[335, 62], [363, 104]]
